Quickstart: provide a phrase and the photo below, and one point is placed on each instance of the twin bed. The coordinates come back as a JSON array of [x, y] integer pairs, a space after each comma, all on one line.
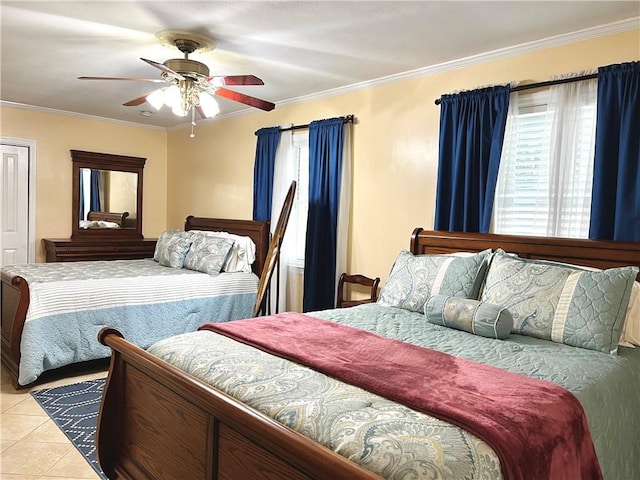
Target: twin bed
[[52, 313], [210, 405]]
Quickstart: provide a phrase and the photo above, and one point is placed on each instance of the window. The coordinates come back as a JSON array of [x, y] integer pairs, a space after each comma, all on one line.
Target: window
[[297, 227], [85, 192], [546, 170]]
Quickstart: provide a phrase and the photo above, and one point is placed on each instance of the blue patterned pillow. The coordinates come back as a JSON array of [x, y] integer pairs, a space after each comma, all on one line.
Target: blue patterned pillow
[[473, 316], [171, 248], [208, 254], [415, 278], [562, 303]]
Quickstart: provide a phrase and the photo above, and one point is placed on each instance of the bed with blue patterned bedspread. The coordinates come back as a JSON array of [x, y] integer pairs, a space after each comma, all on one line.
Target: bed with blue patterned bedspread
[[304, 424], [394, 441], [71, 302]]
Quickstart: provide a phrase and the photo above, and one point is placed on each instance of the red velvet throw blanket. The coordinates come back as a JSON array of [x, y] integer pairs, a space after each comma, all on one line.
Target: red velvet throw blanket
[[537, 429]]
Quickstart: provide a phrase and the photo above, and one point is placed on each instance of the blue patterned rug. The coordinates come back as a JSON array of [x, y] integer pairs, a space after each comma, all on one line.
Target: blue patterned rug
[[74, 408]]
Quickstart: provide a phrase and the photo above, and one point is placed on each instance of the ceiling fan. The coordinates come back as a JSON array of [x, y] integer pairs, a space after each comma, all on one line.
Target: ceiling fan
[[191, 88]]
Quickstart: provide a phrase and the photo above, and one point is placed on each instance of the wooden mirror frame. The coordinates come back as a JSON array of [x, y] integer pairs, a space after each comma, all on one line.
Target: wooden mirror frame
[[105, 161]]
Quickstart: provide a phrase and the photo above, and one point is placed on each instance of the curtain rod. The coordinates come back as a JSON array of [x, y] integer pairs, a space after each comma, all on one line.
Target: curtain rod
[[347, 119], [548, 83]]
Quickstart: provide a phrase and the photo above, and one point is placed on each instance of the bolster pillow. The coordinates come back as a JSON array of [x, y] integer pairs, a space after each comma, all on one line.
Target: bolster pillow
[[480, 318]]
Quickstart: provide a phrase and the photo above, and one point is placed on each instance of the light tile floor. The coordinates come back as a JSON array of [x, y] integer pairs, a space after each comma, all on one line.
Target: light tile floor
[[32, 447]]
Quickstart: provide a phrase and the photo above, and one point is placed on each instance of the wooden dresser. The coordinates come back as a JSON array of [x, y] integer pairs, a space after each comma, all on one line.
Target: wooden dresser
[[71, 250]]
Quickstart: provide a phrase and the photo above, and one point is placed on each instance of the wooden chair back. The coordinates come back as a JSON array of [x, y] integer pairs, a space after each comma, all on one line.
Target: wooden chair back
[[371, 283]]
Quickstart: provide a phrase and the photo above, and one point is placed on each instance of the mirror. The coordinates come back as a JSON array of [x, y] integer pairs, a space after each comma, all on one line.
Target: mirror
[[108, 199], [107, 195]]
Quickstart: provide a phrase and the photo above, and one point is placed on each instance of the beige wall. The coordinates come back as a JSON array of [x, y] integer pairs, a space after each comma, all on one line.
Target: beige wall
[[55, 135], [122, 193], [395, 147], [395, 151]]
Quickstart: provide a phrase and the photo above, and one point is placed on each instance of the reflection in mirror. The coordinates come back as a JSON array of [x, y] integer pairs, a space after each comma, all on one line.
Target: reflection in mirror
[[108, 198], [107, 195]]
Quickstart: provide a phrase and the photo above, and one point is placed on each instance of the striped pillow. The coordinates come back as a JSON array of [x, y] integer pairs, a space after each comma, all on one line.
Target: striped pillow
[[561, 303], [473, 316]]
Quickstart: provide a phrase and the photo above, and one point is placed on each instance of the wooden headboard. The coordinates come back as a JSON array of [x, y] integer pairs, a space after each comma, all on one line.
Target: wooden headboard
[[591, 253], [257, 231], [115, 217]]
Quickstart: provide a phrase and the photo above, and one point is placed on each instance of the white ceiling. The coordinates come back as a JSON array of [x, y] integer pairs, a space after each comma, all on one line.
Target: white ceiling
[[298, 48]]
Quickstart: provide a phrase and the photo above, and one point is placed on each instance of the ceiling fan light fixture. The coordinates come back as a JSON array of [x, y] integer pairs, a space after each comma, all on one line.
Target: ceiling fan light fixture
[[157, 98], [173, 98], [208, 104], [179, 111]]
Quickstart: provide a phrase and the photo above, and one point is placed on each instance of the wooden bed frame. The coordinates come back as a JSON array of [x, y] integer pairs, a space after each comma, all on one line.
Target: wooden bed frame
[[15, 289], [157, 422], [114, 217]]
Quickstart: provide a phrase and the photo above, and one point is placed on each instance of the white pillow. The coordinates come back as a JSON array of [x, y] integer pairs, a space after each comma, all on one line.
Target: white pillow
[[242, 254], [630, 335]]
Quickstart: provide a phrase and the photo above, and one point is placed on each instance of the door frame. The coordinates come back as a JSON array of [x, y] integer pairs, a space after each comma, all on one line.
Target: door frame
[[31, 146]]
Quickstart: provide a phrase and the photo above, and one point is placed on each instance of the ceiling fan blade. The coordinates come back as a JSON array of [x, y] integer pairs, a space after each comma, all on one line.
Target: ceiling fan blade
[[246, 99], [164, 68], [121, 78], [231, 80], [137, 101]]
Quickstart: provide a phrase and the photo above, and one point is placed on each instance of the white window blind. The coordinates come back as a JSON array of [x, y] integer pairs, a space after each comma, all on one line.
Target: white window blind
[[546, 169]]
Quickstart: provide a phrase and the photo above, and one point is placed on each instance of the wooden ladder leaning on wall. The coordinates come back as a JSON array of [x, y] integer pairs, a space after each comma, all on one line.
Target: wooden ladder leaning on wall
[[273, 254]]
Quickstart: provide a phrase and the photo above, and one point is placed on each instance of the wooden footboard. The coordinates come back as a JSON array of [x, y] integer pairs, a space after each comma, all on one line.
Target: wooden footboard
[[156, 422], [15, 302]]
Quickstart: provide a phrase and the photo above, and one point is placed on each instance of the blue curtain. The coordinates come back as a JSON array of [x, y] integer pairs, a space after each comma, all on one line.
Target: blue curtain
[[615, 201], [326, 139], [94, 199], [471, 133], [265, 160]]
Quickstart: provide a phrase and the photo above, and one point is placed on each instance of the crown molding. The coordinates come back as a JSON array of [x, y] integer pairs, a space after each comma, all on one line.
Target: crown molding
[[521, 49], [83, 116]]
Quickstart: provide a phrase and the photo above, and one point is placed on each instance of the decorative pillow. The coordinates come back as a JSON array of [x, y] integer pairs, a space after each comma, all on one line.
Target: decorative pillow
[[171, 248], [630, 335], [473, 316], [242, 254], [415, 278], [207, 254], [562, 303]]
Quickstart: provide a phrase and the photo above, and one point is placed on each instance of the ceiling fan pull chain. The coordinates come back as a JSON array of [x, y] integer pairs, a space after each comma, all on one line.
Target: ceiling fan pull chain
[[193, 122]]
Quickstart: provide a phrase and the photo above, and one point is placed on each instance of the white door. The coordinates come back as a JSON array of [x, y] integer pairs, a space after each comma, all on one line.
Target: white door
[[14, 211]]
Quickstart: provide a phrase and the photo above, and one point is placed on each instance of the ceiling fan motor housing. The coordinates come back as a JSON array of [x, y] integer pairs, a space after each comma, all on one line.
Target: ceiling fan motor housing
[[185, 66]]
